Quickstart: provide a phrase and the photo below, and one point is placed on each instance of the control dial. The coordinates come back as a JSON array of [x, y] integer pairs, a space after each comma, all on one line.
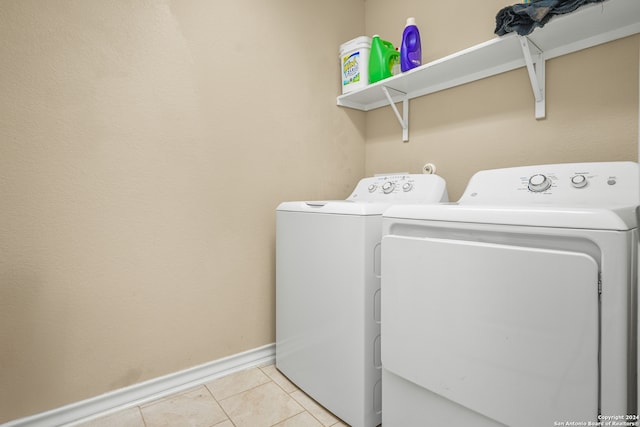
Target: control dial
[[539, 183], [388, 187], [372, 188], [579, 181], [407, 187]]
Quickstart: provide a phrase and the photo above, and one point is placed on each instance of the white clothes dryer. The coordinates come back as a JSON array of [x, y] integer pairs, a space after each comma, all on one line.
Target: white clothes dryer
[[328, 292], [517, 305]]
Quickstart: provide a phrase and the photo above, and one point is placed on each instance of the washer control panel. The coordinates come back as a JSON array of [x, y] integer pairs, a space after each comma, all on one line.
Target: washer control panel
[[585, 184], [402, 187]]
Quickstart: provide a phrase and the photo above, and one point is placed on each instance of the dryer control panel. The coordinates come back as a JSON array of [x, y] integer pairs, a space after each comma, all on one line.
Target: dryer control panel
[[598, 184], [401, 188]]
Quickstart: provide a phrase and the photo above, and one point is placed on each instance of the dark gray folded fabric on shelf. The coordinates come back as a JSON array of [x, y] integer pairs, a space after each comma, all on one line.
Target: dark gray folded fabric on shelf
[[523, 18]]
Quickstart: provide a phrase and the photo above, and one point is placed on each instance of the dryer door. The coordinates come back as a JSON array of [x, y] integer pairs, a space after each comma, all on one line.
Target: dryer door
[[509, 332]]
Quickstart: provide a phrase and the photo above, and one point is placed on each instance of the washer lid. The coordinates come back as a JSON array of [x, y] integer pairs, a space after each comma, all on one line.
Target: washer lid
[[338, 207], [616, 218]]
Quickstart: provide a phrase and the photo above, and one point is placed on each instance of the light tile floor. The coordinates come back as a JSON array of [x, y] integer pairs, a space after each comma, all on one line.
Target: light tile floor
[[257, 397]]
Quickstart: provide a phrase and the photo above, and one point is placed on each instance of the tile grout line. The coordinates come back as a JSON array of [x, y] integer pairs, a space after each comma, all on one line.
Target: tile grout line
[[221, 407], [269, 380], [139, 408], [306, 410], [296, 400], [235, 394], [339, 421]]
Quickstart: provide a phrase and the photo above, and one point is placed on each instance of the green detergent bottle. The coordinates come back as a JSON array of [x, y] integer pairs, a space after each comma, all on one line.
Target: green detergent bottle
[[382, 58]]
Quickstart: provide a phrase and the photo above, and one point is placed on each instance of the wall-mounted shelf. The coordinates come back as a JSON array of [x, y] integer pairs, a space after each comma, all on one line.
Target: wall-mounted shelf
[[588, 26]]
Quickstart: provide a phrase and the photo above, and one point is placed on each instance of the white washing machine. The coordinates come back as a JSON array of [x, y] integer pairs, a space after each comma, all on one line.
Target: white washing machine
[[328, 292], [517, 305]]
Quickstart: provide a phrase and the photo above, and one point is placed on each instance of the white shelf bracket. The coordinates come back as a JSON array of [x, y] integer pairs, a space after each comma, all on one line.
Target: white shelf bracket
[[535, 62], [404, 118]]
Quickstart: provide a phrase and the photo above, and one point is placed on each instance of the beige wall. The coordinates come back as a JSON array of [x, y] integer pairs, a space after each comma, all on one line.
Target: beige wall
[[144, 147], [592, 102]]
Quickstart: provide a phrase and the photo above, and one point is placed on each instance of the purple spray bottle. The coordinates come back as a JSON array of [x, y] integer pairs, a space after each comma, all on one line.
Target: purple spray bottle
[[411, 49]]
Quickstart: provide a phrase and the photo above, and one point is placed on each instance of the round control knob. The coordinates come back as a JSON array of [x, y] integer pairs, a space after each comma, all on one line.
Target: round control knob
[[372, 188], [388, 187], [539, 183], [579, 181], [407, 187]]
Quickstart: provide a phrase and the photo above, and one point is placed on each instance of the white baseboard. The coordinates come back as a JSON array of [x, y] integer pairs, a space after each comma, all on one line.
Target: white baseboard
[[149, 390]]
